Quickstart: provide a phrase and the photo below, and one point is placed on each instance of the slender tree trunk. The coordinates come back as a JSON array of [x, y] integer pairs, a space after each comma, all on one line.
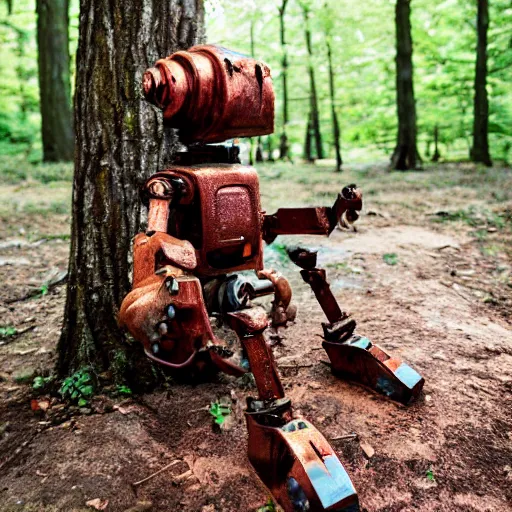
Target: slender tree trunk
[[315, 117], [480, 149], [120, 143], [259, 151], [406, 154], [436, 156], [283, 146], [308, 150], [270, 148], [334, 116], [54, 80]]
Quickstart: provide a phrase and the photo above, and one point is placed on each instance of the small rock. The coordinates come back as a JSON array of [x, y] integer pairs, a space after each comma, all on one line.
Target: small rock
[[367, 450], [428, 398], [85, 410], [314, 385], [97, 503], [208, 508], [140, 506]]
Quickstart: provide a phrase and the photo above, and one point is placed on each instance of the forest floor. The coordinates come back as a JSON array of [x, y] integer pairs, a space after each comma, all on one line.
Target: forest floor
[[427, 275]]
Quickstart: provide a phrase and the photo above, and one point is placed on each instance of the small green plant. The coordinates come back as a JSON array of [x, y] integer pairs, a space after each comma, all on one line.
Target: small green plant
[[43, 290], [220, 412], [7, 331], [268, 507], [390, 258], [39, 383], [124, 390], [430, 475], [78, 387]]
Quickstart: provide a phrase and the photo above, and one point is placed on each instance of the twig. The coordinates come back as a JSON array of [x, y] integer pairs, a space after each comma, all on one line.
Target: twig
[[165, 468], [37, 291], [308, 365], [343, 437]]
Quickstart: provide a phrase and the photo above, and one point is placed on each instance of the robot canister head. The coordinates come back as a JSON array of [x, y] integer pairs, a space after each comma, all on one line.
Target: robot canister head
[[212, 94]]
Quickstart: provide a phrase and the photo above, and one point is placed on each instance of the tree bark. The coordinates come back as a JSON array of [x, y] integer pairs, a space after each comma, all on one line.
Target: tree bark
[[315, 117], [334, 116], [283, 146], [405, 155], [54, 80], [480, 149], [120, 143]]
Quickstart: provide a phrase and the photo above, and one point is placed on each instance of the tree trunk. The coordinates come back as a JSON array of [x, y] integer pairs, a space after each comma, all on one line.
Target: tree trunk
[[405, 155], [120, 143], [334, 115], [259, 151], [436, 156], [315, 118], [283, 146], [54, 80], [480, 150], [270, 148], [308, 153]]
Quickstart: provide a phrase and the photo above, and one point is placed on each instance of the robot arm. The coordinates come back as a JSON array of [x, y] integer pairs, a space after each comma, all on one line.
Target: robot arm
[[314, 221]]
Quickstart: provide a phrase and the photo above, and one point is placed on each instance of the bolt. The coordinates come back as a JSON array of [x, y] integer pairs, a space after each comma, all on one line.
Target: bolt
[[171, 312], [155, 348]]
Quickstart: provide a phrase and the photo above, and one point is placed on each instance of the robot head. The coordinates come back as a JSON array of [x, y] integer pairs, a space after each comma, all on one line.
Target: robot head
[[212, 94]]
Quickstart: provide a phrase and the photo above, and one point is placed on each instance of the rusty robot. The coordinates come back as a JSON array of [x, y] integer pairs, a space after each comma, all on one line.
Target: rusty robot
[[205, 228]]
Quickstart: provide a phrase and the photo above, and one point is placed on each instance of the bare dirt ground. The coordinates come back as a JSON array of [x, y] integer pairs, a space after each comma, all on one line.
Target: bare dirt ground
[[427, 276]]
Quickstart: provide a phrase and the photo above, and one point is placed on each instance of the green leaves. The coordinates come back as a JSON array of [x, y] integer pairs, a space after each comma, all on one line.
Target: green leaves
[[78, 387], [268, 507], [7, 331], [390, 258], [220, 412]]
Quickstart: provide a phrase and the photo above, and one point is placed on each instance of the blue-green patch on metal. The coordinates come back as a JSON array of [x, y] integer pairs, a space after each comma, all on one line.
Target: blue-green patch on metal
[[363, 343], [407, 375], [385, 386], [330, 481]]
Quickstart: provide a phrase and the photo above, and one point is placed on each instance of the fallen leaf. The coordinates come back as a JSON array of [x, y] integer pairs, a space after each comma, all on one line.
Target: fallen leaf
[[39, 405]]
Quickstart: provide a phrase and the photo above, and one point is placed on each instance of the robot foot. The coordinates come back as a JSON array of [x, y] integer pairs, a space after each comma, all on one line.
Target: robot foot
[[295, 461], [356, 358]]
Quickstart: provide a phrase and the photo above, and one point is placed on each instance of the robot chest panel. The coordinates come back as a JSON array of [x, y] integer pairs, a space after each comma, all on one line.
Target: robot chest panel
[[227, 203]]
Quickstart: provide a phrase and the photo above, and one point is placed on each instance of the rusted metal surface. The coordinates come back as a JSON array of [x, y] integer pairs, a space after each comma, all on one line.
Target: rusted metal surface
[[314, 221], [353, 356], [212, 94], [359, 360], [249, 325], [218, 210], [296, 462]]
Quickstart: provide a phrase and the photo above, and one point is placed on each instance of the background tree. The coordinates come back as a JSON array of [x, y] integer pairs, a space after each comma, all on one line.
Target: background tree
[[405, 155], [328, 17], [120, 142], [283, 145], [480, 148], [54, 80], [313, 128]]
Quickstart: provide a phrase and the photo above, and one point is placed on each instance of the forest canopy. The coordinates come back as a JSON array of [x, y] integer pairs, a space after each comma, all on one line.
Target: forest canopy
[[363, 53]]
